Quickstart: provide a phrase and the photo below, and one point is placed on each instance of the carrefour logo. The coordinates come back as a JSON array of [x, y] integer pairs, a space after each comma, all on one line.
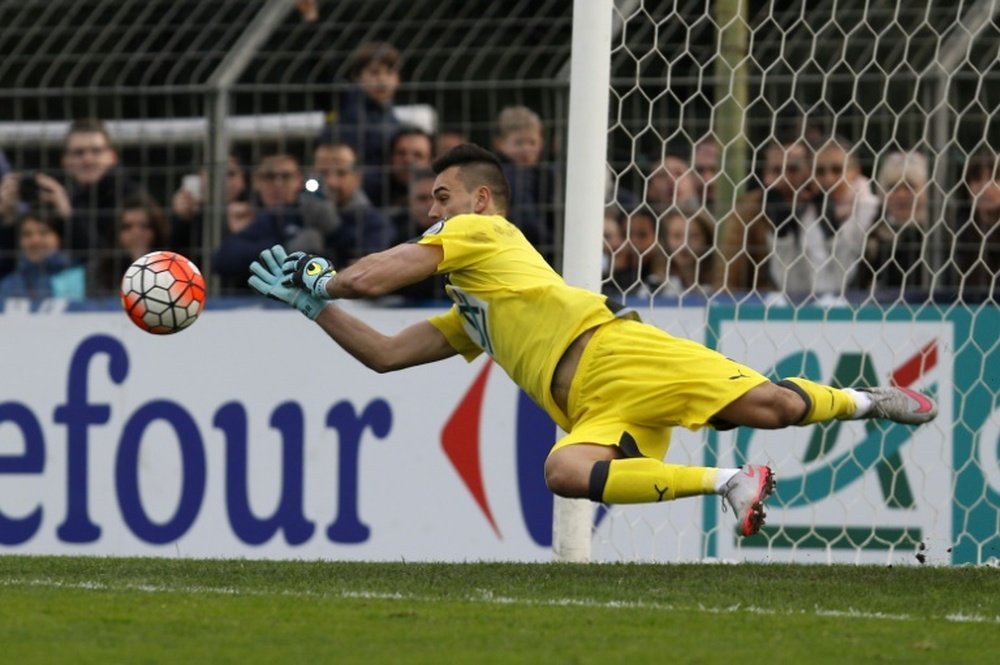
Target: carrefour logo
[[535, 434]]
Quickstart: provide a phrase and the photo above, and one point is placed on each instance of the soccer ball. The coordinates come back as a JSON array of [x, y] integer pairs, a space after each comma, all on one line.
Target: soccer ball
[[163, 292]]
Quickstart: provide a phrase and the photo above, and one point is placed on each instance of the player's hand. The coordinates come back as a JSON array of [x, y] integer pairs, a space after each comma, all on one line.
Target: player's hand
[[309, 272], [266, 278]]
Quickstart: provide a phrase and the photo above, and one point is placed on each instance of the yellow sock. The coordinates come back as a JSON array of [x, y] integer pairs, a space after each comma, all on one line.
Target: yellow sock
[[644, 480], [825, 403]]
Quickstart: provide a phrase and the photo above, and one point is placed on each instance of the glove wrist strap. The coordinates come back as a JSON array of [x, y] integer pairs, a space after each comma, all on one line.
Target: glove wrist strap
[[319, 288]]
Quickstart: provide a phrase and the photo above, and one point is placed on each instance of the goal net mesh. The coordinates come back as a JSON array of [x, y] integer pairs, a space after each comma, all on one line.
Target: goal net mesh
[[811, 187]]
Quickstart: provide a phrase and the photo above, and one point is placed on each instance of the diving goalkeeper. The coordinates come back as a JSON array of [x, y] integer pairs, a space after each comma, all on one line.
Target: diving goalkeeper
[[616, 385]]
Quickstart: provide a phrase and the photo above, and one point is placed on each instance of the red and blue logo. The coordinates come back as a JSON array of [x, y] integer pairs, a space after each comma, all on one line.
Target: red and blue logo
[[534, 435]]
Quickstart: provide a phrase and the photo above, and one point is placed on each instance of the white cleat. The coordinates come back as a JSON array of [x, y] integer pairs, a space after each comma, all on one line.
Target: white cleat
[[901, 405], [746, 493]]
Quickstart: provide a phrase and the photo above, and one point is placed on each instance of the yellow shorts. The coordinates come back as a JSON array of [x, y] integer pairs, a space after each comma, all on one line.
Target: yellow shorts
[[634, 378]]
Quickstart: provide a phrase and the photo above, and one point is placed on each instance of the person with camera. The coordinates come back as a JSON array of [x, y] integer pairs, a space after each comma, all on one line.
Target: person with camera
[[286, 212], [363, 228], [95, 187], [21, 191]]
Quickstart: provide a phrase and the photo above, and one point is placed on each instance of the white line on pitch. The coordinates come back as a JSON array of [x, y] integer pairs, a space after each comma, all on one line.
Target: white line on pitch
[[486, 596]]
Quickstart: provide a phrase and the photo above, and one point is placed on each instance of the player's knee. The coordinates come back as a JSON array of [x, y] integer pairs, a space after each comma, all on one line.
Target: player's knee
[[563, 480], [786, 407]]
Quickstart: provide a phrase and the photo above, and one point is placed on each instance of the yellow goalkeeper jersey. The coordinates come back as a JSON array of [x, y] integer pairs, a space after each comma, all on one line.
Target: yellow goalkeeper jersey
[[510, 303]]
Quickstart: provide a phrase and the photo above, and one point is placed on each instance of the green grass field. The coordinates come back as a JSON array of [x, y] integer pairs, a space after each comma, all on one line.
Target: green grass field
[[99, 610]]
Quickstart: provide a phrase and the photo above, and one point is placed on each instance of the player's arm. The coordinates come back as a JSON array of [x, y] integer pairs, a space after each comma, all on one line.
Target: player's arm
[[384, 272], [418, 344]]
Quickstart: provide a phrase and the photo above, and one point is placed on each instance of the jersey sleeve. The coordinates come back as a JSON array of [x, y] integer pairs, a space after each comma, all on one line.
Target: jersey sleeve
[[463, 240], [450, 325]]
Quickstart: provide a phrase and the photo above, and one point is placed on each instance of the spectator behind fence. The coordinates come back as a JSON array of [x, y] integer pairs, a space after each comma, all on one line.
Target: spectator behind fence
[[43, 270], [977, 233], [790, 208], [364, 116], [286, 215], [616, 274], [646, 255], [97, 187], [895, 246], [672, 184], [363, 229], [519, 143], [388, 185], [187, 218], [835, 244], [689, 242], [617, 194], [747, 234], [705, 169], [141, 226], [21, 191], [447, 138], [413, 223]]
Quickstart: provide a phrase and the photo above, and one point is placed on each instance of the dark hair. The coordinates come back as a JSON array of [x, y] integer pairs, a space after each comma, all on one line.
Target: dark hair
[[645, 210], [87, 126], [380, 53], [158, 221], [337, 144], [477, 167], [43, 214], [422, 174], [981, 166], [409, 130]]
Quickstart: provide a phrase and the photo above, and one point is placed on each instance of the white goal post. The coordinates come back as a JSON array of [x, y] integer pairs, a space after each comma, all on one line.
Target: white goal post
[[586, 150]]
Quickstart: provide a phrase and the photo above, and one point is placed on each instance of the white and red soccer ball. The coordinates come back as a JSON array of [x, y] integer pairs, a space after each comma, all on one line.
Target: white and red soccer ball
[[163, 292]]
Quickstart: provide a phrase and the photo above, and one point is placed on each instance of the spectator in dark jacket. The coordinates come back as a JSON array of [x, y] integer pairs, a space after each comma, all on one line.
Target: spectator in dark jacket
[[363, 229], [388, 187], [364, 116], [519, 144], [286, 215], [96, 186]]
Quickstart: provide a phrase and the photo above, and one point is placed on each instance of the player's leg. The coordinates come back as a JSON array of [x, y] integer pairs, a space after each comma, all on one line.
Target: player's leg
[[602, 473], [798, 401], [620, 474]]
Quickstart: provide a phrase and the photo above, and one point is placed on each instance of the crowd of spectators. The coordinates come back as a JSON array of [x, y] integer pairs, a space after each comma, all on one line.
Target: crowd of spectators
[[809, 222], [811, 226]]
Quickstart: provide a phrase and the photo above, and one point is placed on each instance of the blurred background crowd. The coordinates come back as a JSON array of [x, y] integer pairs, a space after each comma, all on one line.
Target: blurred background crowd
[[824, 212]]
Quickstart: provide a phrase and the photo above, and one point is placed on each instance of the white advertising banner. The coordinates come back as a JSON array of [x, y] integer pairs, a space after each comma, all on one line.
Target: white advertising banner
[[253, 435]]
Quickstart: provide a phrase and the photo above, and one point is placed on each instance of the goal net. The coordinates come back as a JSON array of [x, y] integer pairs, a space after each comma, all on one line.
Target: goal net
[[811, 188]]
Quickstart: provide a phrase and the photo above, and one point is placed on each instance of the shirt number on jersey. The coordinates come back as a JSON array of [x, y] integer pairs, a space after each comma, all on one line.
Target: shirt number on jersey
[[473, 311]]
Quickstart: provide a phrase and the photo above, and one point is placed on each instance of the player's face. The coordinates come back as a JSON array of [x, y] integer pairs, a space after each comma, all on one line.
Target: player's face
[[451, 197]]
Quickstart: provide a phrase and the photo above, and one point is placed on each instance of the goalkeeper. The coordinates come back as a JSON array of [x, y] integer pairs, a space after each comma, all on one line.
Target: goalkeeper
[[615, 385]]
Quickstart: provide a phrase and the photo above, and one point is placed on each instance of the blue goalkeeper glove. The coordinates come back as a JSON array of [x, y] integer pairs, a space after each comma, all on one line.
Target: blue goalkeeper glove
[[266, 278], [309, 272]]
